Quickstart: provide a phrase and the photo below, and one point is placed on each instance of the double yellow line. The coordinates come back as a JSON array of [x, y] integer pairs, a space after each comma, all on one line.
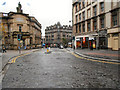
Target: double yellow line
[[93, 59], [14, 59]]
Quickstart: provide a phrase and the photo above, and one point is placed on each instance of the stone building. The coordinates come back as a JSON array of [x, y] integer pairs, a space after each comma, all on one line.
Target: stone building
[[96, 23], [58, 34], [15, 25]]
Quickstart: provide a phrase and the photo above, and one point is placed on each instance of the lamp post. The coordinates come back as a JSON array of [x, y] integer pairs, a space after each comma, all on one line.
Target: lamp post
[[73, 37]]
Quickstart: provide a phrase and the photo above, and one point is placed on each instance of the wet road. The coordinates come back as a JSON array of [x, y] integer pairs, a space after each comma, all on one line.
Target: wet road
[[59, 69]]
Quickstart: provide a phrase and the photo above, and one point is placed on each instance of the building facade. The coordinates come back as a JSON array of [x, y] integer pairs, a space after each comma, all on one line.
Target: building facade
[[43, 40], [58, 34], [96, 23], [19, 30]]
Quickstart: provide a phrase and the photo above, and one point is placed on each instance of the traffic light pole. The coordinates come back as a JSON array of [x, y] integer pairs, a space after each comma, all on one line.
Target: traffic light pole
[[19, 47], [19, 38]]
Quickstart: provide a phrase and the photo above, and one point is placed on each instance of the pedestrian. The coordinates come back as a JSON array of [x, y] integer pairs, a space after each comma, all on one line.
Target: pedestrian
[[74, 47], [4, 49]]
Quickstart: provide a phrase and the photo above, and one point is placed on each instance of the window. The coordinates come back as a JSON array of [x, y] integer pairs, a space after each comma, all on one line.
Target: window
[[58, 35], [102, 6], [95, 24], [20, 28], [52, 35], [95, 10], [94, 1], [67, 35], [115, 35], [88, 26], [114, 4], [58, 38], [88, 2], [76, 29], [88, 13], [46, 36], [80, 16], [79, 6], [83, 27], [83, 4], [76, 18], [102, 22], [83, 15], [114, 18], [80, 28], [63, 35], [76, 8]]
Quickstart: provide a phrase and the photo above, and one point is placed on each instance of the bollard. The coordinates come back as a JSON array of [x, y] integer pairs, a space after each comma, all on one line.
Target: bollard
[[47, 49]]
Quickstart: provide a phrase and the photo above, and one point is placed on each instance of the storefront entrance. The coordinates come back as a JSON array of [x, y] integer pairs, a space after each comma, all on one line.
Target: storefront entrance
[[102, 43]]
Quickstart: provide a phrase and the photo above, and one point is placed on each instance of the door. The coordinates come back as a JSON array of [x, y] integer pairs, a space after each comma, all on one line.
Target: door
[[115, 43]]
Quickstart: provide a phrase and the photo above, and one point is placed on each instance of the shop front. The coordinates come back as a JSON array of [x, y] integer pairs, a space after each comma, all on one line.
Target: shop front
[[86, 41]]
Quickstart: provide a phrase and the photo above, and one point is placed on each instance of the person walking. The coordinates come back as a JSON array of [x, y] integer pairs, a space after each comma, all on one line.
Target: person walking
[[4, 49]]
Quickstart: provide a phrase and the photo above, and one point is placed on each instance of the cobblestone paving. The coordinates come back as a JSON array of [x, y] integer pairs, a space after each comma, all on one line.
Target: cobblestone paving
[[60, 69]]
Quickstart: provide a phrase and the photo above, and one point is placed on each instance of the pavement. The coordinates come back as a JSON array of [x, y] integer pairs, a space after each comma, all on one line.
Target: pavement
[[5, 57], [108, 55]]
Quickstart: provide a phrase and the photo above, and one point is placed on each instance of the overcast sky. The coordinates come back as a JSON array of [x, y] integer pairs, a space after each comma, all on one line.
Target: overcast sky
[[47, 12]]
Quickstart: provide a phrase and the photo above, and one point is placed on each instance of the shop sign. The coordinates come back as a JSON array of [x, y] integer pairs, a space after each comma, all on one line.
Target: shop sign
[[91, 38], [77, 39], [93, 44]]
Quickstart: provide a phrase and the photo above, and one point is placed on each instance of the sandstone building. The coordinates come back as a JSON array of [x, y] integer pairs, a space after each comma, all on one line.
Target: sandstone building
[[96, 23], [18, 23], [56, 34]]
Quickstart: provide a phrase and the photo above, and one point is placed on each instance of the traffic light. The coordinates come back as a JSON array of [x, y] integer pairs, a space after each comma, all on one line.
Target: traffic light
[[19, 37]]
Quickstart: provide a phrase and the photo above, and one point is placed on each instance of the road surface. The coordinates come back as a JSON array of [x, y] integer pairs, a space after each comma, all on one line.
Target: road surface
[[59, 69]]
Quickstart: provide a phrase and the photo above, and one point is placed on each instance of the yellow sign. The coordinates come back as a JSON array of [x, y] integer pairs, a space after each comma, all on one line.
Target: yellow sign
[[93, 45]]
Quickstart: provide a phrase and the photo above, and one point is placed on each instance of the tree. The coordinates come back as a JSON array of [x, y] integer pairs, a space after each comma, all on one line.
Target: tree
[[65, 41]]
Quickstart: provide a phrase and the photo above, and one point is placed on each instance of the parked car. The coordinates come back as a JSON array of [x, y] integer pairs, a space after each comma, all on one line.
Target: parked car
[[61, 47]]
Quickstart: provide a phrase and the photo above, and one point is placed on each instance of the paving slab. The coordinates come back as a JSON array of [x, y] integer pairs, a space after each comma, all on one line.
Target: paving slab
[[105, 54], [5, 57]]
